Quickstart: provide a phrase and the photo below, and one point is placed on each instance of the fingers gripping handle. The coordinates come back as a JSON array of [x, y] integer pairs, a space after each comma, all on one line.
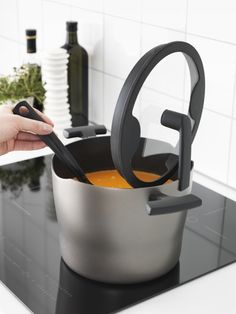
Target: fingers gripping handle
[[25, 110]]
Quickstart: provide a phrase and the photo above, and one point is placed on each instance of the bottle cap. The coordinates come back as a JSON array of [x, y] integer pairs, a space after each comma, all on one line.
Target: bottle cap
[[30, 32], [71, 26], [31, 40]]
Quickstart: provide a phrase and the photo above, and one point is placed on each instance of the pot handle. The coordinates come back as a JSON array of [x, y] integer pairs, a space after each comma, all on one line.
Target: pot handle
[[172, 204], [84, 131]]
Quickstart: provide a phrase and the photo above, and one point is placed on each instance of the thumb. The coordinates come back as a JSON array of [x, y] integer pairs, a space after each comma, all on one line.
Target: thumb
[[33, 126]]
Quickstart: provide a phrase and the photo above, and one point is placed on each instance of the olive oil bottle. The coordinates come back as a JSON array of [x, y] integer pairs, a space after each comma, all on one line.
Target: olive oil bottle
[[31, 60], [77, 76]]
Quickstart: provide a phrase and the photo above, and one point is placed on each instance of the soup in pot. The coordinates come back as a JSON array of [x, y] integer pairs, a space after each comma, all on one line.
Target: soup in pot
[[112, 178]]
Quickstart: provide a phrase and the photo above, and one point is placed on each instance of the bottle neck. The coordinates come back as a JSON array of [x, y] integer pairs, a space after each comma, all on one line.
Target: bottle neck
[[71, 38], [31, 44], [31, 51], [31, 59]]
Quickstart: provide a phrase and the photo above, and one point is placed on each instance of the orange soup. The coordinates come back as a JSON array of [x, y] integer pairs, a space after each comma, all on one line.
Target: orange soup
[[112, 178]]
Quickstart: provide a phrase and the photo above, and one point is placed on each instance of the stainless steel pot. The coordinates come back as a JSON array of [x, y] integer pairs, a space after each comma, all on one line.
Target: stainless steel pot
[[130, 235], [108, 234]]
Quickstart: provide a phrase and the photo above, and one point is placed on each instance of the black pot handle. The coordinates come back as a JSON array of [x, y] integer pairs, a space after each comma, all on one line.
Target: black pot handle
[[125, 133], [171, 204], [84, 131]]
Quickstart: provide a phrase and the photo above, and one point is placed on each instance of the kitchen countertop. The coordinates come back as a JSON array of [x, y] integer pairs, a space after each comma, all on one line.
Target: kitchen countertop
[[212, 293]]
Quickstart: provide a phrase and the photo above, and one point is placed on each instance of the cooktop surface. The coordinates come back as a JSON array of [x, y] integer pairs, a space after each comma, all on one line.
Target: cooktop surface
[[31, 264]]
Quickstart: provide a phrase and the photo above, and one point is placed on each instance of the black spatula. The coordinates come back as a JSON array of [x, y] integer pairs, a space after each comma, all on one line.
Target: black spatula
[[25, 110]]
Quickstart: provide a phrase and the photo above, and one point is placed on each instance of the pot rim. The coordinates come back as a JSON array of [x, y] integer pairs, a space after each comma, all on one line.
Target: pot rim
[[174, 182]]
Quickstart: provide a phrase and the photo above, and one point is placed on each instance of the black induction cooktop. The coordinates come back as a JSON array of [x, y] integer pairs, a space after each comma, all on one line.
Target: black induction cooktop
[[30, 261]]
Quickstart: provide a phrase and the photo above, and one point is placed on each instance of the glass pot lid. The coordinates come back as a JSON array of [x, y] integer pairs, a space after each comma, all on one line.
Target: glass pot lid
[[125, 133]]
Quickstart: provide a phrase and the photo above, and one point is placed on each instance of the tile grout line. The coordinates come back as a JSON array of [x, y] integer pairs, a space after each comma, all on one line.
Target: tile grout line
[[218, 113], [103, 62], [213, 39], [103, 66], [231, 129], [185, 65], [12, 40], [42, 21], [146, 23], [18, 26], [163, 93], [140, 55], [103, 54]]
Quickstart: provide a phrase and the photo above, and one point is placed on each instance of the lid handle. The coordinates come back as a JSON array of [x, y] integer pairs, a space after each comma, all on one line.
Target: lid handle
[[181, 123]]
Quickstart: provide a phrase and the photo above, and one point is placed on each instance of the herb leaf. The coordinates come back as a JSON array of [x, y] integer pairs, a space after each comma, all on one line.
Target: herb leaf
[[25, 82]]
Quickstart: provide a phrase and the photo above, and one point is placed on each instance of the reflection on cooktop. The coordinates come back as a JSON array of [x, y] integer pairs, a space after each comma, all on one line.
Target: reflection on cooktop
[[79, 295], [30, 261]]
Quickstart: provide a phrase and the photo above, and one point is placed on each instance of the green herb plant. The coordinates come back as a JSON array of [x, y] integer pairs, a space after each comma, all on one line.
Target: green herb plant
[[25, 82]]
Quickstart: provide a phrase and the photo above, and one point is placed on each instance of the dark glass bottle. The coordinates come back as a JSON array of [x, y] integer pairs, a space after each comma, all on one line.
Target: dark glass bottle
[[31, 59], [77, 76]]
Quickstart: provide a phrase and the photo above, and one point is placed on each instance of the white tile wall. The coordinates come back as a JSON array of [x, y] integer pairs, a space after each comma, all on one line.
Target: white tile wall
[[168, 76], [234, 107], [8, 14], [96, 107], [116, 34], [112, 87], [90, 34], [232, 162], [91, 5], [168, 13], [55, 16], [121, 45], [211, 146], [127, 9], [219, 61], [30, 16], [9, 55], [212, 18]]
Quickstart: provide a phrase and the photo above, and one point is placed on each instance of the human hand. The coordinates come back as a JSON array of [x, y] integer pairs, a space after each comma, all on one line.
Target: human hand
[[20, 133]]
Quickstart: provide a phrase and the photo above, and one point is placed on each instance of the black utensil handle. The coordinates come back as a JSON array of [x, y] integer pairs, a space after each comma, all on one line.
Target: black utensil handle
[[171, 204], [84, 131], [52, 141], [181, 123], [125, 133]]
